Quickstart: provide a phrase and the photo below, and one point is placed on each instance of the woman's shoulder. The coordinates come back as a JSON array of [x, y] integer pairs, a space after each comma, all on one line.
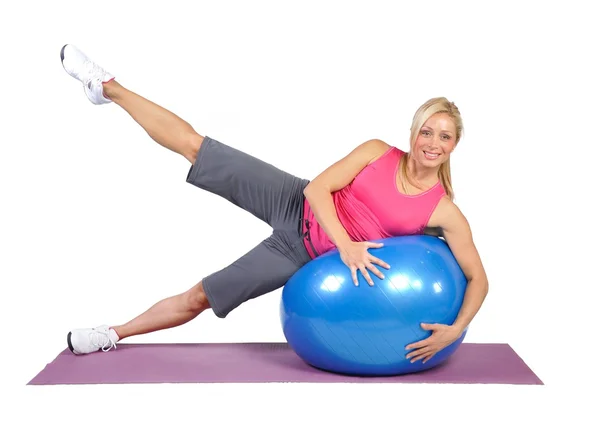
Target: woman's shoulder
[[379, 148], [446, 214]]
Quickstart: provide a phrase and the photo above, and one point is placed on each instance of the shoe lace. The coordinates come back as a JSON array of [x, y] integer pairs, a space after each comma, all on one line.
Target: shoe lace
[[92, 73], [101, 340]]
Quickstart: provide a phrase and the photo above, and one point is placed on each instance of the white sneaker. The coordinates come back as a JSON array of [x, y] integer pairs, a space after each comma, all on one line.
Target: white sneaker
[[88, 340], [82, 68]]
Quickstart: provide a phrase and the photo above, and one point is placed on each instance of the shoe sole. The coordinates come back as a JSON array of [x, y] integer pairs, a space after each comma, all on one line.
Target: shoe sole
[[62, 55], [70, 344]]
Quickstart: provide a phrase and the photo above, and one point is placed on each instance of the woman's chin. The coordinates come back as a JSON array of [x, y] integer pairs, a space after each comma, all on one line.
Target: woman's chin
[[429, 163]]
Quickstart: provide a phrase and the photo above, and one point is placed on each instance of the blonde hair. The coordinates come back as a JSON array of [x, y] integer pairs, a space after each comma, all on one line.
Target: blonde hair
[[426, 111]]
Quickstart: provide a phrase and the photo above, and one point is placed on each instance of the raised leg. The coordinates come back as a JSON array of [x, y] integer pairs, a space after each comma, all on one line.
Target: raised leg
[[163, 126], [100, 86]]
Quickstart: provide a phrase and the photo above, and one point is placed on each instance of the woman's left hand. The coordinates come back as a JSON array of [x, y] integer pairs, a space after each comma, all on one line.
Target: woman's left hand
[[442, 336]]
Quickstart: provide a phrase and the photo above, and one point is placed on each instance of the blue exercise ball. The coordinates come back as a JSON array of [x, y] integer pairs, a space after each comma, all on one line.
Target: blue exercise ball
[[336, 326]]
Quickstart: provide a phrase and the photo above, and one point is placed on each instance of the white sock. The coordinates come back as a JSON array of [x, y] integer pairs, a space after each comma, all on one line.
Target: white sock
[[112, 334]]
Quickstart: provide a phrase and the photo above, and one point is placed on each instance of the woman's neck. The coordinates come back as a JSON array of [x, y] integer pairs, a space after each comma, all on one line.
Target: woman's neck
[[423, 176]]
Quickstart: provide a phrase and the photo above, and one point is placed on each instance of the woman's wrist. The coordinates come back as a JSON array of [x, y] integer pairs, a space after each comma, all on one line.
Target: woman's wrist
[[342, 242]]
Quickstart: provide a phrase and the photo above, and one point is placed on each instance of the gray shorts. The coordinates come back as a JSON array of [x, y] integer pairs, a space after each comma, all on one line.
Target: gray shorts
[[270, 194]]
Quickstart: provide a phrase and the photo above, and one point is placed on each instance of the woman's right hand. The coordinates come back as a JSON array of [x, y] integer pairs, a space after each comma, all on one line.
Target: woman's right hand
[[356, 256]]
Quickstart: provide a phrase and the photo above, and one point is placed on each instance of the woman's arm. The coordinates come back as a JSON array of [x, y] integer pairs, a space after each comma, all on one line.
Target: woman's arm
[[337, 176], [318, 193], [457, 233]]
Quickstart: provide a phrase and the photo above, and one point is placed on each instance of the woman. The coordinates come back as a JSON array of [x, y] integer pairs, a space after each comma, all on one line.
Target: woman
[[342, 208]]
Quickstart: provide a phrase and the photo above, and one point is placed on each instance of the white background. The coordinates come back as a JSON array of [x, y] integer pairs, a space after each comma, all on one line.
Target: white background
[[98, 223]]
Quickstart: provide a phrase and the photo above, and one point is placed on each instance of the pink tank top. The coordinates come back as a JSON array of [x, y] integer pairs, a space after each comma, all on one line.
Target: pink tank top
[[371, 207]]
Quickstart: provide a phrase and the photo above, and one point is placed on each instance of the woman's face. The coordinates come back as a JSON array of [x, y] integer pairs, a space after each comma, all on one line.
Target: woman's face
[[435, 141]]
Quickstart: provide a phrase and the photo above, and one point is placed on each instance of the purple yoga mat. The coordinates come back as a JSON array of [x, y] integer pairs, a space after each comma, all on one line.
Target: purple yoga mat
[[264, 363]]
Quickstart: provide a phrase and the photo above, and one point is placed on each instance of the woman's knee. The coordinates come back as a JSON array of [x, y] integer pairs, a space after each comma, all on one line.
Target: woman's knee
[[192, 145], [196, 298]]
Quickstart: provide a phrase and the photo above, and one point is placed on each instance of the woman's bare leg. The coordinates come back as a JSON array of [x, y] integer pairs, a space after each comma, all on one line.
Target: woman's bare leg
[[163, 126], [170, 312]]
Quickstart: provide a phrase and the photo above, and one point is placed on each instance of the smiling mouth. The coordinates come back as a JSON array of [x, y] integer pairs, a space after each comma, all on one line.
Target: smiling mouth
[[432, 156]]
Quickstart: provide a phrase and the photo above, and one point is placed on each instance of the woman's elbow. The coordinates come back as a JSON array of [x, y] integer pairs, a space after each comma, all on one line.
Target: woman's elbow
[[482, 282], [313, 186]]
